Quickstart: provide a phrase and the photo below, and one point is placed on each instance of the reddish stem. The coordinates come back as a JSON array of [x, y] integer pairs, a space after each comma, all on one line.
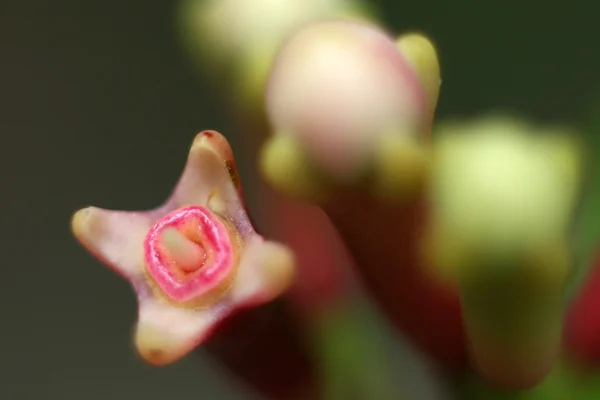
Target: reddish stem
[[324, 265], [582, 325], [264, 347], [385, 243]]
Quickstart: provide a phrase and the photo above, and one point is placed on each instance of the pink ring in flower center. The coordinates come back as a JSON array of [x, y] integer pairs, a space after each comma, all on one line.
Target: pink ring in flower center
[[200, 226]]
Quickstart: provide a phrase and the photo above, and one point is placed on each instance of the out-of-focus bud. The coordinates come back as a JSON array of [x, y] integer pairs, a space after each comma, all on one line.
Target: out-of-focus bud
[[562, 383], [244, 35], [503, 195], [501, 177], [295, 174], [422, 55], [402, 166], [341, 89]]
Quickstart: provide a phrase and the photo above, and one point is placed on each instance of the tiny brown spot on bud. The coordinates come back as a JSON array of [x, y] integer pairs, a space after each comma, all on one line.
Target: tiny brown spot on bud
[[233, 174], [155, 356]]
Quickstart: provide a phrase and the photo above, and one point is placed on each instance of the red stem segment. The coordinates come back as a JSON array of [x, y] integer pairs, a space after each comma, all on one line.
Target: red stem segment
[[582, 326], [385, 243], [264, 348]]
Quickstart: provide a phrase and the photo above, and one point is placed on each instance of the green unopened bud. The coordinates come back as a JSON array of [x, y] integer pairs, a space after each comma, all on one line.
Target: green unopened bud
[[422, 55], [287, 167], [503, 196]]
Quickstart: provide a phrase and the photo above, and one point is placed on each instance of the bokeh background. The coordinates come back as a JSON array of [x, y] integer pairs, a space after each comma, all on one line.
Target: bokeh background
[[100, 104]]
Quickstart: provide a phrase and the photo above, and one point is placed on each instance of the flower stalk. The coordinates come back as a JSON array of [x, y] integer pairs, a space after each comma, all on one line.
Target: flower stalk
[[386, 253]]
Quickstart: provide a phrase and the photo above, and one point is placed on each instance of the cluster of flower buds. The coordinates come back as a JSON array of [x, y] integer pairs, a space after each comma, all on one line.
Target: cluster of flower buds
[[351, 113], [460, 232]]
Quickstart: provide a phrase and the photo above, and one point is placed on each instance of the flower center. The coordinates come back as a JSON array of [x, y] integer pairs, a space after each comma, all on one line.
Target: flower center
[[186, 254], [190, 254]]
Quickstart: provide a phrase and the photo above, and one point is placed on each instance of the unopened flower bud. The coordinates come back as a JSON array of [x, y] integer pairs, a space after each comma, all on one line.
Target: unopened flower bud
[[503, 195], [339, 87]]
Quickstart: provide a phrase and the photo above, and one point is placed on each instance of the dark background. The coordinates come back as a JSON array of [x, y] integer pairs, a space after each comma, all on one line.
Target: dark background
[[99, 105]]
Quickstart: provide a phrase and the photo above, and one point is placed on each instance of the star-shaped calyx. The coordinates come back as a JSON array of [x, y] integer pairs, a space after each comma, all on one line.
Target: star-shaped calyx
[[192, 261]]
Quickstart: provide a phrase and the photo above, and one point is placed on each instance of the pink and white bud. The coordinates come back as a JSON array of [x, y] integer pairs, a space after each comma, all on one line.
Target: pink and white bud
[[338, 87]]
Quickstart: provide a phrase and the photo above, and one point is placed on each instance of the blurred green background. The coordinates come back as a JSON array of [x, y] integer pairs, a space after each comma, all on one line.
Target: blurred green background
[[100, 105]]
